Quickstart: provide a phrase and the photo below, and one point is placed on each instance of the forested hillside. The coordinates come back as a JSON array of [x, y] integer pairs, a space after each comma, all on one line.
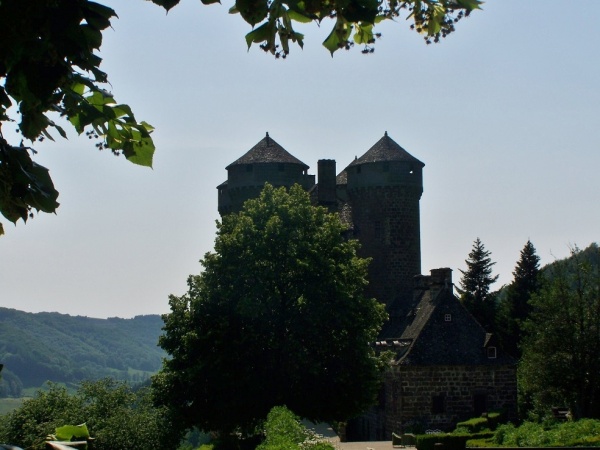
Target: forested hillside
[[35, 348]]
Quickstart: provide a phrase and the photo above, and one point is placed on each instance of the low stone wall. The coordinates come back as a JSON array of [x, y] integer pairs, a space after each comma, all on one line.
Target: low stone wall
[[440, 396]]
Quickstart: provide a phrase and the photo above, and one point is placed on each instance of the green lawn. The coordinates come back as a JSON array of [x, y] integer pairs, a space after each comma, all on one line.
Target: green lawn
[[8, 404]]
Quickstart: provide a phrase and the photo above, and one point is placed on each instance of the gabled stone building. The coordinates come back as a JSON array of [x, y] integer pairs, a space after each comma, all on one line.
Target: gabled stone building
[[447, 368]]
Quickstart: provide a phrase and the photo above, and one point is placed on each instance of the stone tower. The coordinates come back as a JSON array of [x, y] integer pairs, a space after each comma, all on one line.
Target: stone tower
[[383, 189], [266, 162]]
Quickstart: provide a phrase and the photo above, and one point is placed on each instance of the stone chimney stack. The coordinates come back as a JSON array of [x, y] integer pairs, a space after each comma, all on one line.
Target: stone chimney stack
[[327, 183], [440, 279]]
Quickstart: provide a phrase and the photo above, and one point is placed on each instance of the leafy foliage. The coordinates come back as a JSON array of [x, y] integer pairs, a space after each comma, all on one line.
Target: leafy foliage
[[561, 351], [49, 68], [115, 415], [585, 432], [514, 308], [353, 20], [278, 317], [475, 285], [48, 65], [283, 430], [50, 346]]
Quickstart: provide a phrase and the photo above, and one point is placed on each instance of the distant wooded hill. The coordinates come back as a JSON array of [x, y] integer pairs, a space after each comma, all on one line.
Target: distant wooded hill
[[35, 348]]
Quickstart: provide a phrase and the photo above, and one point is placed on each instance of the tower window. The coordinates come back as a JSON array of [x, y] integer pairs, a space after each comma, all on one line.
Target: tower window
[[447, 317], [491, 352], [249, 168], [281, 167], [386, 166], [358, 168]]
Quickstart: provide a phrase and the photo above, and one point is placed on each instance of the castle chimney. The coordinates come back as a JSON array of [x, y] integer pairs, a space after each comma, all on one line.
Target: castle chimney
[[440, 279], [327, 183]]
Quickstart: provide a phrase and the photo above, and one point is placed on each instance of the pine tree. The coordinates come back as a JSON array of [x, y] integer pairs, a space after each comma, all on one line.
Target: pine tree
[[475, 285], [514, 308]]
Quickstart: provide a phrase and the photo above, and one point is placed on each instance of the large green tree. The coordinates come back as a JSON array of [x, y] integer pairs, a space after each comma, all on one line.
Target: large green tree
[[475, 285], [50, 68], [277, 317], [514, 307], [561, 350]]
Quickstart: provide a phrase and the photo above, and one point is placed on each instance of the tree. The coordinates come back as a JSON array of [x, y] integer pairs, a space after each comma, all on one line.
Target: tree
[[49, 69], [475, 285], [561, 350], [117, 417], [514, 308], [277, 317]]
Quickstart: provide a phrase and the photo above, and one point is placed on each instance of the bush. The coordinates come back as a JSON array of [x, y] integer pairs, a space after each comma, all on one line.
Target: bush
[[283, 430], [450, 441], [474, 425], [116, 416], [582, 432]]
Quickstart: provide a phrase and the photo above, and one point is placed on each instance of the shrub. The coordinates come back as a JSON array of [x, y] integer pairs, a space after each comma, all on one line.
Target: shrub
[[283, 430], [450, 441], [473, 425]]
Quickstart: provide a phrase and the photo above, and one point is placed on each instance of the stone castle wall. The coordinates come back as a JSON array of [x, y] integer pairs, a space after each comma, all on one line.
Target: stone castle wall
[[442, 396], [386, 222]]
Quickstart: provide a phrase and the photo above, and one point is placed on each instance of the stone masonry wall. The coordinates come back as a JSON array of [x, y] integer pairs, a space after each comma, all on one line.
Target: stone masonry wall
[[386, 222], [462, 392]]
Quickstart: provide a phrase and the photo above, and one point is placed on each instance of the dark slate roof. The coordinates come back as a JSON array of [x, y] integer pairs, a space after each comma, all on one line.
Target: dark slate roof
[[342, 177], [386, 149], [267, 151], [429, 340]]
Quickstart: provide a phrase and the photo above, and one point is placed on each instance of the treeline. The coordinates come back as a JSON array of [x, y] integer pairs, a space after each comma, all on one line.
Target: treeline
[[35, 348], [549, 320]]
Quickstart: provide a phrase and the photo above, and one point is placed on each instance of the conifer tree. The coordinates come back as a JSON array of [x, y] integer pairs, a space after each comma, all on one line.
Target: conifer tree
[[514, 308], [475, 285]]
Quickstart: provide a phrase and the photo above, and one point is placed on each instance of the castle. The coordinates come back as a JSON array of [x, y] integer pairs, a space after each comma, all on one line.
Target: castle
[[447, 368]]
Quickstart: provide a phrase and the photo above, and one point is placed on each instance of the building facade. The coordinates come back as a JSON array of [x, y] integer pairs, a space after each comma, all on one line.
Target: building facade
[[447, 368]]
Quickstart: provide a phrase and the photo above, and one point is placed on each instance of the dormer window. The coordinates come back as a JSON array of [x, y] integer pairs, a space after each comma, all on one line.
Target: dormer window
[[491, 353], [447, 317]]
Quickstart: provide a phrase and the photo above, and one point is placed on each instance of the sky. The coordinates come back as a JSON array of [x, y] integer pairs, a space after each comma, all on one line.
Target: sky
[[505, 114]]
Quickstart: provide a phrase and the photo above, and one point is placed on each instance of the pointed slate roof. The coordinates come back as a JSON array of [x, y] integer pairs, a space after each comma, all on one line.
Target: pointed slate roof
[[267, 151], [386, 149]]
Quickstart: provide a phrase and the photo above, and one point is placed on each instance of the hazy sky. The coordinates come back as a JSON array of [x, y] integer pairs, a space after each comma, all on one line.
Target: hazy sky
[[505, 113]]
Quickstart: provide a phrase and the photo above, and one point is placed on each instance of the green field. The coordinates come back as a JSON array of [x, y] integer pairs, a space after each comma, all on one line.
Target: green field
[[8, 404]]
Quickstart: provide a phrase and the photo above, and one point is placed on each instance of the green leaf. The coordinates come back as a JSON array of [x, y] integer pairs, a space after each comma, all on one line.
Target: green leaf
[[253, 11], [363, 34], [260, 34], [68, 432], [299, 17], [338, 36], [140, 151], [92, 36], [167, 4], [1, 229], [469, 4]]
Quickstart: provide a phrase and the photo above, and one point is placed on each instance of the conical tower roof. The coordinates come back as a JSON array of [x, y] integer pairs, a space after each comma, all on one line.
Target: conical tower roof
[[386, 149], [267, 151]]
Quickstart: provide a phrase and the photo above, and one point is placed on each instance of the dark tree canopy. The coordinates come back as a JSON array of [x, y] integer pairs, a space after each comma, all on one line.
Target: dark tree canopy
[[475, 284], [514, 308], [49, 68], [277, 317], [561, 350]]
